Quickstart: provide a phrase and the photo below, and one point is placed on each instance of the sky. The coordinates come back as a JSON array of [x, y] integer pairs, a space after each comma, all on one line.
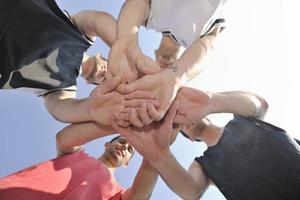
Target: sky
[[257, 52]]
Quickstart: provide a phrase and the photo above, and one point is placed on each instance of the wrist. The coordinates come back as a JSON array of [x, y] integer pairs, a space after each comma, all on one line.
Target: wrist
[[178, 75], [125, 41], [214, 104], [162, 159]]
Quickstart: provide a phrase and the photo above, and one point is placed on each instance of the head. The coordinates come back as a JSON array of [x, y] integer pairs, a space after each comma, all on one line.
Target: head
[[167, 53], [194, 132], [94, 69], [119, 151]]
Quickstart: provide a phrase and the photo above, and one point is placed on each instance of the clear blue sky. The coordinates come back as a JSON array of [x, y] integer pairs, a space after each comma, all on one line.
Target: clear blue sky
[[257, 53]]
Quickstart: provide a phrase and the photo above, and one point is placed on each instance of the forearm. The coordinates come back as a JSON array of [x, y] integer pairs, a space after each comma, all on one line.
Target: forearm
[[144, 183], [96, 23], [132, 15], [191, 62], [73, 136], [179, 179], [64, 107], [238, 102]]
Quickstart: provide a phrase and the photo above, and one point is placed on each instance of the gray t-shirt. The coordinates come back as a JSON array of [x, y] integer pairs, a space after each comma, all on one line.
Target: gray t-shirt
[[254, 160]]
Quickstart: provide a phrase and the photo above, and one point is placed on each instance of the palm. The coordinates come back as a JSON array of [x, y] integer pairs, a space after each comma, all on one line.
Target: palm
[[120, 65], [102, 106], [152, 140], [128, 62], [193, 105], [162, 85]]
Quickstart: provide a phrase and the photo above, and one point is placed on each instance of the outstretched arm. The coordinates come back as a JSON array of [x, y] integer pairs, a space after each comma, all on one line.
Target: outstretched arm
[[191, 62], [64, 107], [167, 82], [143, 184], [126, 59], [189, 184], [96, 23], [69, 139], [196, 104], [153, 142]]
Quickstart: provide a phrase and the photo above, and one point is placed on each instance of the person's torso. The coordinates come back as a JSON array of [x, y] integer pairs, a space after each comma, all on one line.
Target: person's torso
[[72, 177], [186, 20], [40, 48], [254, 160]]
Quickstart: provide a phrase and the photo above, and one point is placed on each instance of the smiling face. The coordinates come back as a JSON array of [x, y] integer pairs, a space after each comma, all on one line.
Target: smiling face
[[119, 151]]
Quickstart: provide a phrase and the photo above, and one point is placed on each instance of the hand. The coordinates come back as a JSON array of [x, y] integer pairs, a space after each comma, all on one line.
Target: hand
[[127, 61], [153, 140], [163, 85], [193, 105], [105, 102], [94, 70]]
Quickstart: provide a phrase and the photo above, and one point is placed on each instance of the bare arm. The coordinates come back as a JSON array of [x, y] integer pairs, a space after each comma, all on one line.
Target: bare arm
[[133, 14], [143, 184], [64, 107], [239, 102], [187, 184], [126, 59], [96, 23], [190, 64], [196, 104], [73, 136]]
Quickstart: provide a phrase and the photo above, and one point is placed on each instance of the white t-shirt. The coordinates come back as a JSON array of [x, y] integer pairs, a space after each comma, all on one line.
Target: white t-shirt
[[186, 20]]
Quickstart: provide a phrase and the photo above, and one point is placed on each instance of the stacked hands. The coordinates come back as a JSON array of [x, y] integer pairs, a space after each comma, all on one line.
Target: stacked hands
[[138, 96], [144, 100]]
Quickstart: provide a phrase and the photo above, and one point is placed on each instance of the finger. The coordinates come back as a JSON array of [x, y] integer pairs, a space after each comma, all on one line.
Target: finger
[[123, 131], [134, 119], [181, 119], [140, 94], [169, 119], [146, 65], [128, 88], [143, 112], [139, 102], [154, 114], [123, 117], [109, 85], [123, 123]]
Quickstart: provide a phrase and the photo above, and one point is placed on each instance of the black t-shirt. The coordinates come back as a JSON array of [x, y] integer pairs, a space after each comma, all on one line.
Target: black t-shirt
[[254, 160], [40, 48]]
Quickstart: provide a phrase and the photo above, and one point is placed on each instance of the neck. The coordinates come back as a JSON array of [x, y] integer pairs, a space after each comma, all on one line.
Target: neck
[[211, 135], [109, 164]]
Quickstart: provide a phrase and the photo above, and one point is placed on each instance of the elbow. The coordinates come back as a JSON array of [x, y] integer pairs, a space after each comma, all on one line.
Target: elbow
[[194, 194], [262, 108], [63, 142], [60, 142]]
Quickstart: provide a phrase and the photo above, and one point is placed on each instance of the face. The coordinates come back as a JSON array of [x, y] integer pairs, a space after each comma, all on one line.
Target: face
[[95, 70], [120, 151]]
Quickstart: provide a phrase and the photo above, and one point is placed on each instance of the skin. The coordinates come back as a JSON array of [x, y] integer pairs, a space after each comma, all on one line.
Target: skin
[[117, 153], [126, 59], [65, 107], [191, 183], [166, 83]]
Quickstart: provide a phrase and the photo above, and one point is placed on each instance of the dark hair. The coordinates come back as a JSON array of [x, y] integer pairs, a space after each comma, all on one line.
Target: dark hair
[[115, 138], [186, 136]]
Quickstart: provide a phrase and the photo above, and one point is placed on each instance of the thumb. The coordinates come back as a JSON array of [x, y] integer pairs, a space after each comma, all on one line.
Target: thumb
[[169, 119], [109, 85], [131, 87], [147, 66]]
